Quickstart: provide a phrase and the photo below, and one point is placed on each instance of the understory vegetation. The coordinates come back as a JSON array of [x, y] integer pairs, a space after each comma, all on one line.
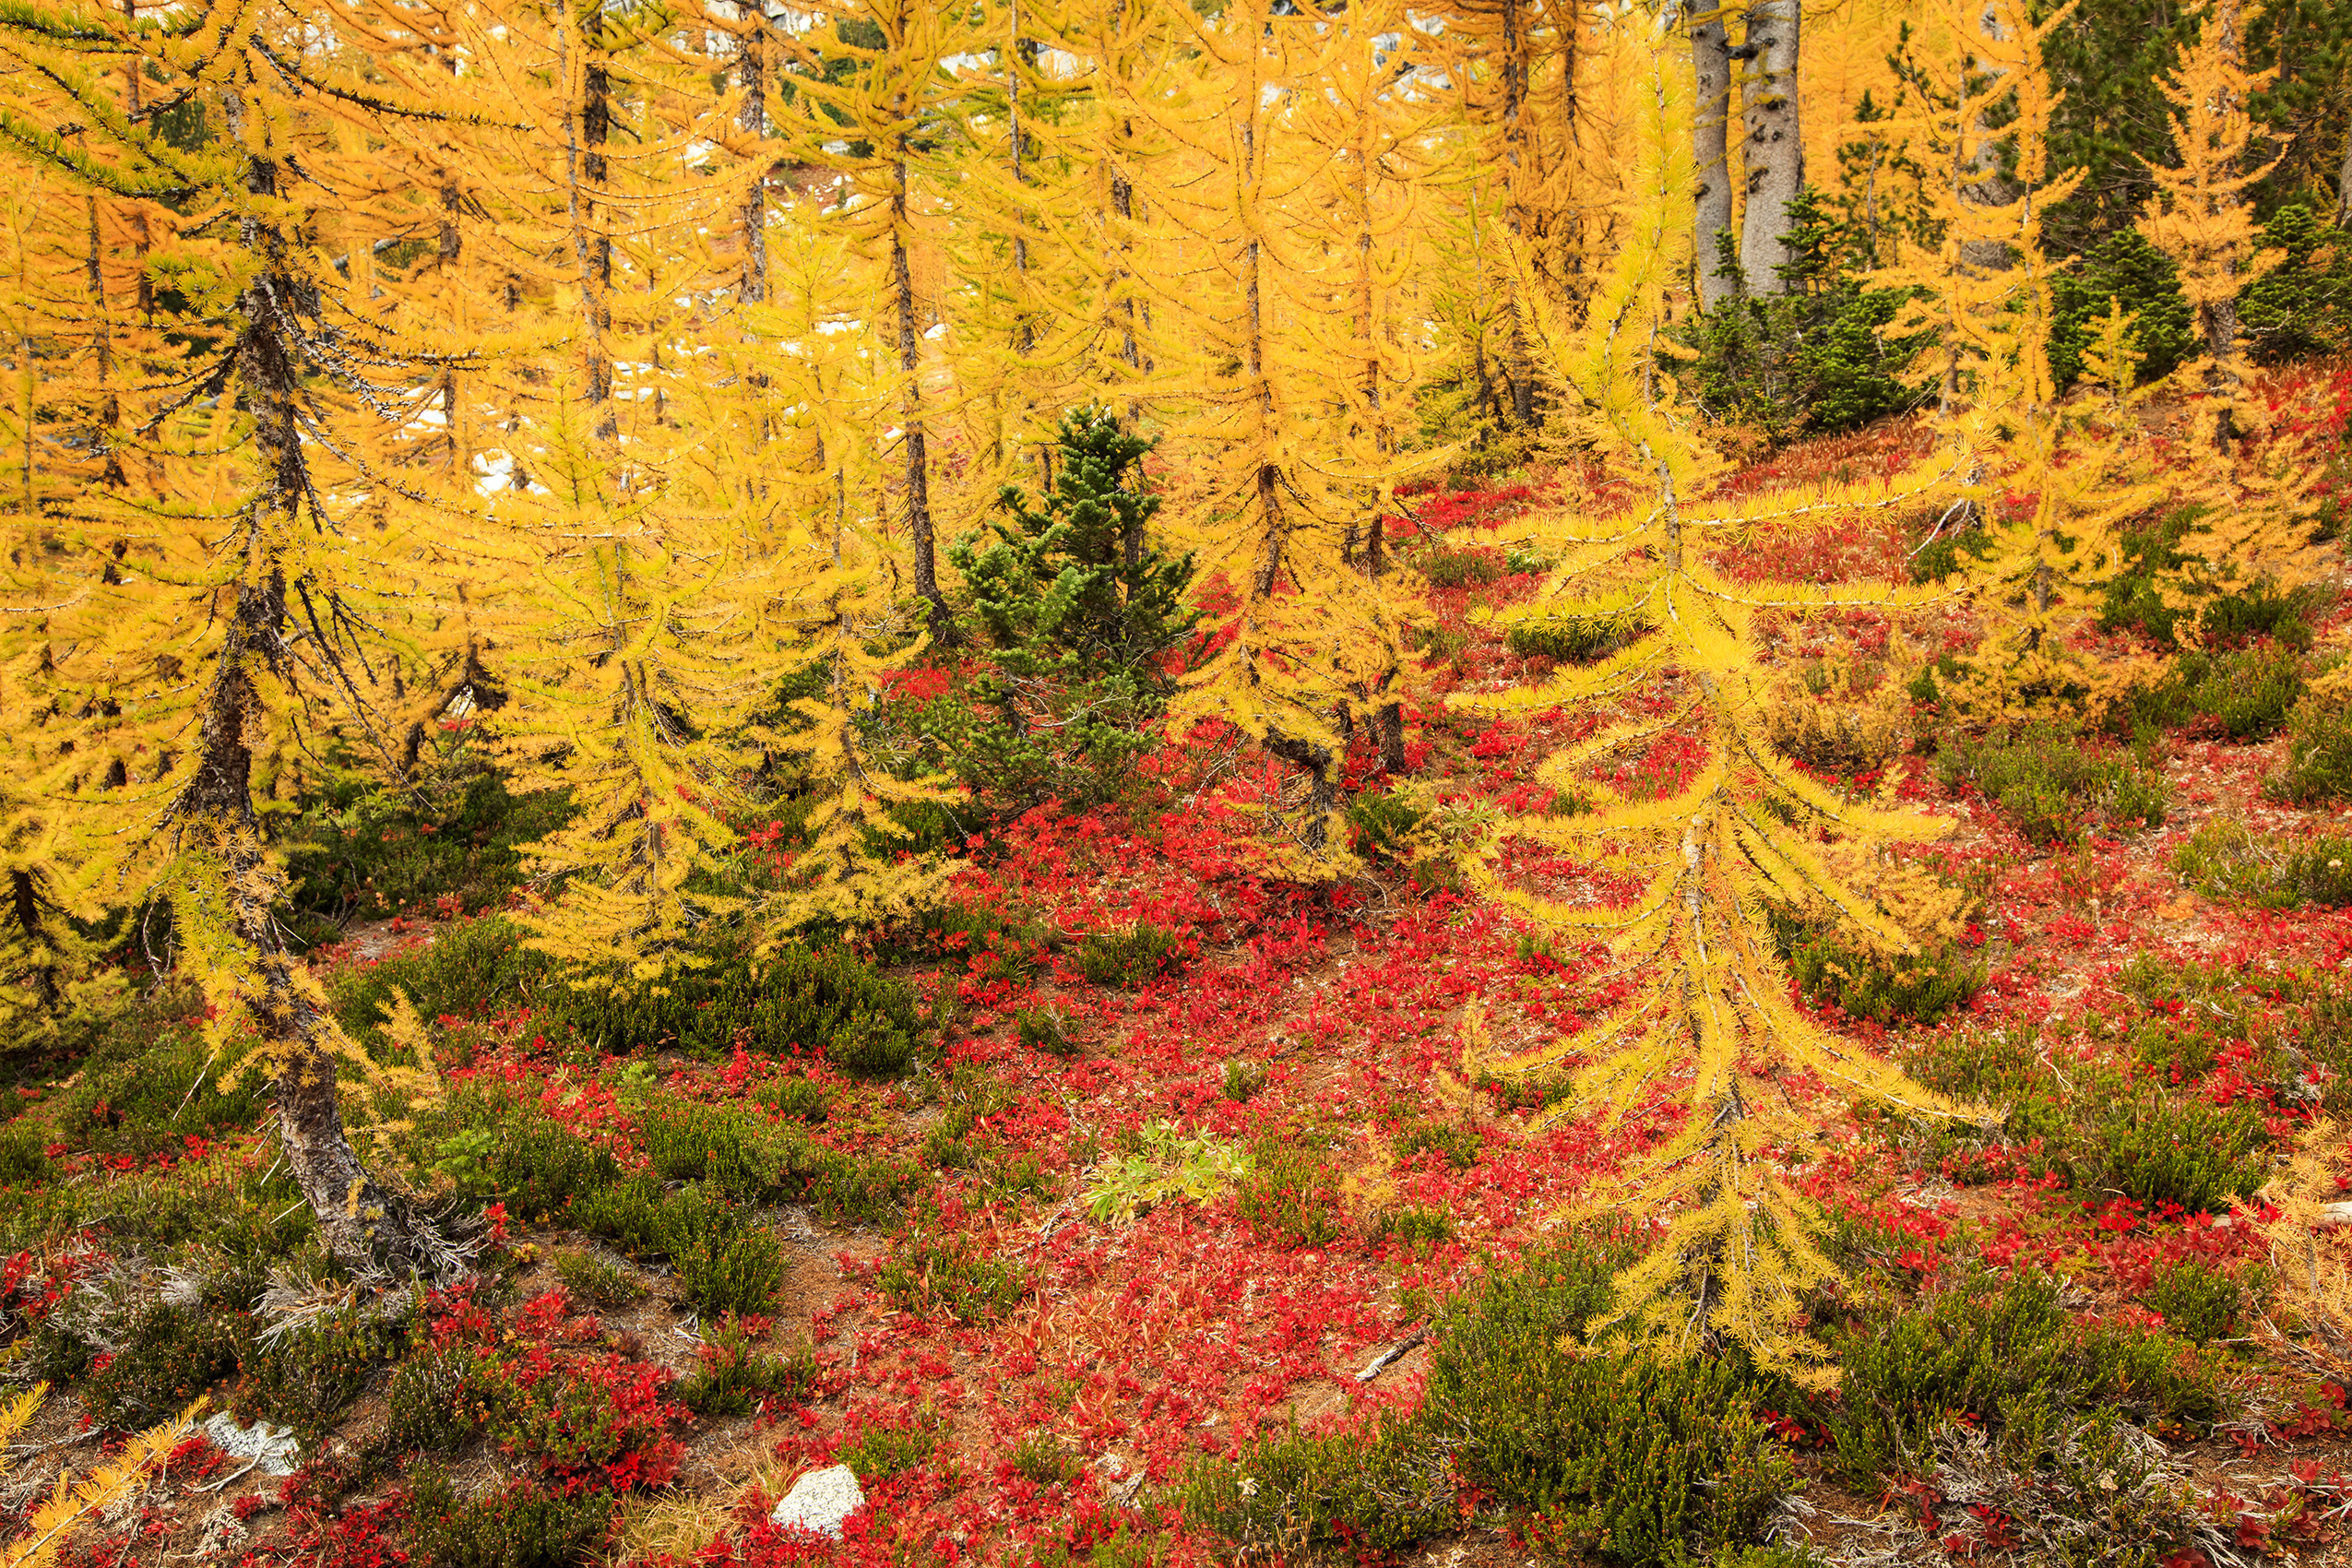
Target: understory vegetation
[[1152, 784]]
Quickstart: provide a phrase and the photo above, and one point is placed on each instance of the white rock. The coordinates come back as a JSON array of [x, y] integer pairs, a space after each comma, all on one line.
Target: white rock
[[820, 1501], [272, 1448]]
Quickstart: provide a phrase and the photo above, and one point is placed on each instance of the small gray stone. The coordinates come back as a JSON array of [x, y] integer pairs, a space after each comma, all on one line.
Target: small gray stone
[[820, 1501], [272, 1448]]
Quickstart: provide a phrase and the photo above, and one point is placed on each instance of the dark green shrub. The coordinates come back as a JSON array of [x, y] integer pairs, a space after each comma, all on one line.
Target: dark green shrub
[[880, 1452], [2249, 693], [168, 1354], [1244, 1078], [305, 1376], [596, 1279], [794, 998], [932, 1273], [1575, 639], [473, 968], [23, 1153], [734, 1149], [1886, 989], [1635, 1459], [1372, 1491], [1384, 823], [2225, 859], [2135, 600], [2319, 754], [803, 1100], [520, 1525], [1290, 1195], [1459, 1146], [143, 1096], [1939, 557], [1419, 1231], [433, 1404], [1460, 566], [1046, 1029], [2195, 1154], [869, 1190], [733, 1378], [2123, 268], [724, 1264], [2198, 1303], [489, 1143], [2009, 1357], [361, 849], [1041, 1460], [1130, 955], [2055, 788]]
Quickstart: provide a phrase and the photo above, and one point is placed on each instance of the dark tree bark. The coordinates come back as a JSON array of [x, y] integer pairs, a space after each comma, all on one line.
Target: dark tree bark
[[366, 1226]]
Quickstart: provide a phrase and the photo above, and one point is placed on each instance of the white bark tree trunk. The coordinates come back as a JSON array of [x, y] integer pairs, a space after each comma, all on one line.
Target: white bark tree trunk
[[1775, 148]]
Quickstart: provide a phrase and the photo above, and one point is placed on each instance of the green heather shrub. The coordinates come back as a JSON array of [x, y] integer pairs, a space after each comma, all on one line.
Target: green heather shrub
[[732, 1377], [1459, 1146], [1046, 1029], [304, 1377], [1009, 945], [2134, 600], [2055, 787], [596, 1279], [1416, 1228], [1130, 955], [2319, 752], [880, 1452], [432, 1405], [2007, 1357], [1244, 1078], [1641, 1460], [1461, 565], [1372, 1492], [520, 1525], [932, 1273], [2196, 1303], [23, 1153], [359, 849], [2194, 1152], [1384, 823], [167, 1355], [732, 1148], [472, 969], [803, 1099], [1884, 989], [1574, 639], [2225, 858], [1041, 1459], [2249, 693], [1290, 1195], [794, 998], [140, 1097], [724, 1261], [1607, 1455]]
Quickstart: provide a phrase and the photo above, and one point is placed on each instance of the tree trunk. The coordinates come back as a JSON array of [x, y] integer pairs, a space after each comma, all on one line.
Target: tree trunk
[[1711, 146], [750, 76], [366, 1226], [1775, 148], [918, 523], [1515, 97], [596, 131]]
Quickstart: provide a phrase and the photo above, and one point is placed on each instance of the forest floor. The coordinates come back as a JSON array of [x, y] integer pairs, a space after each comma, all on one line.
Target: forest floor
[[1078, 1304]]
